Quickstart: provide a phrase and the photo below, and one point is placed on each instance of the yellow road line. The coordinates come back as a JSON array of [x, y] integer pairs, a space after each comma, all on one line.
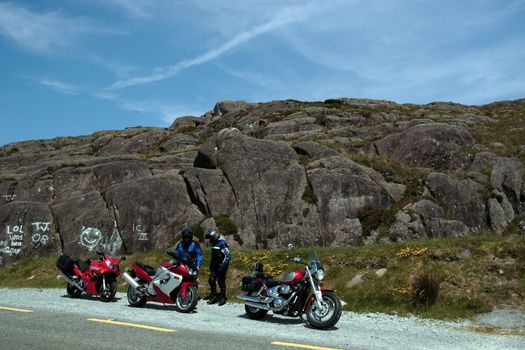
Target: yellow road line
[[118, 323], [14, 309], [302, 346]]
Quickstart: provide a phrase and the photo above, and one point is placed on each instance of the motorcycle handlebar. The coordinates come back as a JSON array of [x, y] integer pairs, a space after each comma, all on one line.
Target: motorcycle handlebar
[[295, 259]]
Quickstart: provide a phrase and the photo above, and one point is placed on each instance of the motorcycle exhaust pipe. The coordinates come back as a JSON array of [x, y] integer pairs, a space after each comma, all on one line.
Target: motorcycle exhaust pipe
[[257, 305], [130, 280], [73, 283]]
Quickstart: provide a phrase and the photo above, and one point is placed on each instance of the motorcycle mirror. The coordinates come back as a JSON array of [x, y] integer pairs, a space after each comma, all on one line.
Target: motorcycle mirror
[[99, 252], [122, 258]]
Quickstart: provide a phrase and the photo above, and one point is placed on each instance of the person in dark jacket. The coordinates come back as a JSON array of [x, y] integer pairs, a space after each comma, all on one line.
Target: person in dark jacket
[[188, 248], [220, 260]]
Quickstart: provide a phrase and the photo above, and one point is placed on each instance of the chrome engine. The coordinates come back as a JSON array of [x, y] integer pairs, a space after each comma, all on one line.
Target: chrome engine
[[281, 295]]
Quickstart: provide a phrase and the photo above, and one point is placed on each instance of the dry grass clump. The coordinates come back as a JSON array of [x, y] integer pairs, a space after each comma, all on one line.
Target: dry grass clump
[[424, 289]]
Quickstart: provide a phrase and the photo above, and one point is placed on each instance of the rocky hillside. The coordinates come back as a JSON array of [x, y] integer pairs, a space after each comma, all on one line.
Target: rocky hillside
[[332, 173]]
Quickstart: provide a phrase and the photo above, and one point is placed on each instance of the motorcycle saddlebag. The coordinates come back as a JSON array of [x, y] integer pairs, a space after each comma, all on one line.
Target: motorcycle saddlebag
[[65, 264], [250, 284]]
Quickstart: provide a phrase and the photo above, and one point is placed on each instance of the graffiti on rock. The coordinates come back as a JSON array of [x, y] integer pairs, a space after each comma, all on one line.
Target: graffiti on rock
[[9, 197], [13, 244], [141, 231], [40, 237], [90, 237], [93, 239]]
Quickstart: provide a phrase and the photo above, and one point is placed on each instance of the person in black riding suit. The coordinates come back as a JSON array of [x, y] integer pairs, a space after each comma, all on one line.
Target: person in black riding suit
[[188, 248], [220, 260]]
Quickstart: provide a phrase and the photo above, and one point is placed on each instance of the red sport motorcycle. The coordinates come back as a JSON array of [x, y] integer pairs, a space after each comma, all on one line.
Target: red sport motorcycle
[[94, 277], [169, 284], [299, 292]]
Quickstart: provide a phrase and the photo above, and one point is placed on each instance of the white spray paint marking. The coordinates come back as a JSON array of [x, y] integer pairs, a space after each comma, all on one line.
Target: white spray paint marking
[[13, 245], [90, 237], [40, 238], [93, 239], [112, 244], [141, 230], [9, 197]]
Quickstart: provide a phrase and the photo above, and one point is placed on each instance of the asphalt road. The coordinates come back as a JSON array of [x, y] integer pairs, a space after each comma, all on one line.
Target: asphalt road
[[48, 319], [52, 330]]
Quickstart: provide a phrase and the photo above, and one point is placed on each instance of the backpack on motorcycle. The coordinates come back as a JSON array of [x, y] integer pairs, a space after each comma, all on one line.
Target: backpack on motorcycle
[[65, 264]]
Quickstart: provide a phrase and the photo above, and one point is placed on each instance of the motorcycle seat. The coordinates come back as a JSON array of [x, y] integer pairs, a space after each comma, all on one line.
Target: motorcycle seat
[[272, 283], [82, 265], [149, 270]]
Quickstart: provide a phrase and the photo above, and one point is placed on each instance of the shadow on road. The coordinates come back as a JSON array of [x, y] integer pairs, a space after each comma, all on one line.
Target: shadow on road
[[287, 321], [151, 306], [275, 320], [91, 297]]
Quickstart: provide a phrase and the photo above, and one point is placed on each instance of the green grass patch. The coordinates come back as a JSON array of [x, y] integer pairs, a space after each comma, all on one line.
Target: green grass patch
[[490, 275]]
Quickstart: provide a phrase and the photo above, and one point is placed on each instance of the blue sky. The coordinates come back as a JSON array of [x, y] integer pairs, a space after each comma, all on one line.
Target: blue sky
[[72, 67]]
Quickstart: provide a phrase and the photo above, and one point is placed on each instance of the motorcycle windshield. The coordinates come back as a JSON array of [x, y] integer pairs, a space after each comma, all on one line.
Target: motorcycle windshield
[[313, 260]]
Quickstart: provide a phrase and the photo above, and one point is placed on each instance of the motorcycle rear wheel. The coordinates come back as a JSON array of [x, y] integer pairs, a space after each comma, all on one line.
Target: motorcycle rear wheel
[[106, 295], [253, 312], [73, 291], [328, 315], [190, 302], [135, 298]]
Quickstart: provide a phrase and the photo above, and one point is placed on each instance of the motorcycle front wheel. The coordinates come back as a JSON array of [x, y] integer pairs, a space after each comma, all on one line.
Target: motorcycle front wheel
[[73, 291], [107, 294], [327, 315], [189, 303], [135, 298]]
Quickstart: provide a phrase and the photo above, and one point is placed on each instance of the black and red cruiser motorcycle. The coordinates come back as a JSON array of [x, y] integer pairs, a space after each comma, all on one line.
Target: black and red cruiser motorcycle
[[299, 292]]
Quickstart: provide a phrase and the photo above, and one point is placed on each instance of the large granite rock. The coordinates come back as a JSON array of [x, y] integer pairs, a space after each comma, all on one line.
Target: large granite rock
[[507, 176], [266, 180], [27, 229], [150, 212], [340, 193], [458, 199], [87, 224], [426, 145]]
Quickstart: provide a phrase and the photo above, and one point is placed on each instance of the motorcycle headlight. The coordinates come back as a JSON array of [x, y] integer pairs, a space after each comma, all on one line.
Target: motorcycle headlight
[[320, 274]]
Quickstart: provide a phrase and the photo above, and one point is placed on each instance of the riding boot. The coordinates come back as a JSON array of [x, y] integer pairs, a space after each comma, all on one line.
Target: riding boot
[[222, 297], [214, 300]]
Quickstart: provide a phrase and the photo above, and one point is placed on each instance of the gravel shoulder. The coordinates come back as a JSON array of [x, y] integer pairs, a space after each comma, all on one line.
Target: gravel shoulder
[[354, 331]]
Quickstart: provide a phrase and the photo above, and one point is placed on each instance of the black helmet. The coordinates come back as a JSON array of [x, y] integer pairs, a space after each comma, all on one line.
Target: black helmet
[[187, 232], [259, 267], [212, 234]]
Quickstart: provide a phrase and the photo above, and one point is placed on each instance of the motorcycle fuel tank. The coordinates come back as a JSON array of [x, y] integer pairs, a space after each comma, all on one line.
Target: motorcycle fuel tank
[[293, 277]]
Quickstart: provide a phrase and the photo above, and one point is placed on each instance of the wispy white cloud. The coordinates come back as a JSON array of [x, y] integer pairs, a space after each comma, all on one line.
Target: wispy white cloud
[[283, 17], [141, 9], [44, 32], [164, 111], [59, 86], [121, 70]]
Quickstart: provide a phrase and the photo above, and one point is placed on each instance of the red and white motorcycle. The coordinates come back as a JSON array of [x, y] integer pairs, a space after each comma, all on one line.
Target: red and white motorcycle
[[299, 292], [169, 284]]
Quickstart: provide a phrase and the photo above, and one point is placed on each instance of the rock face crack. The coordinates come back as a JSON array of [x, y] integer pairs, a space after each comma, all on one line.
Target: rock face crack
[[59, 232], [208, 211], [203, 207], [113, 212]]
